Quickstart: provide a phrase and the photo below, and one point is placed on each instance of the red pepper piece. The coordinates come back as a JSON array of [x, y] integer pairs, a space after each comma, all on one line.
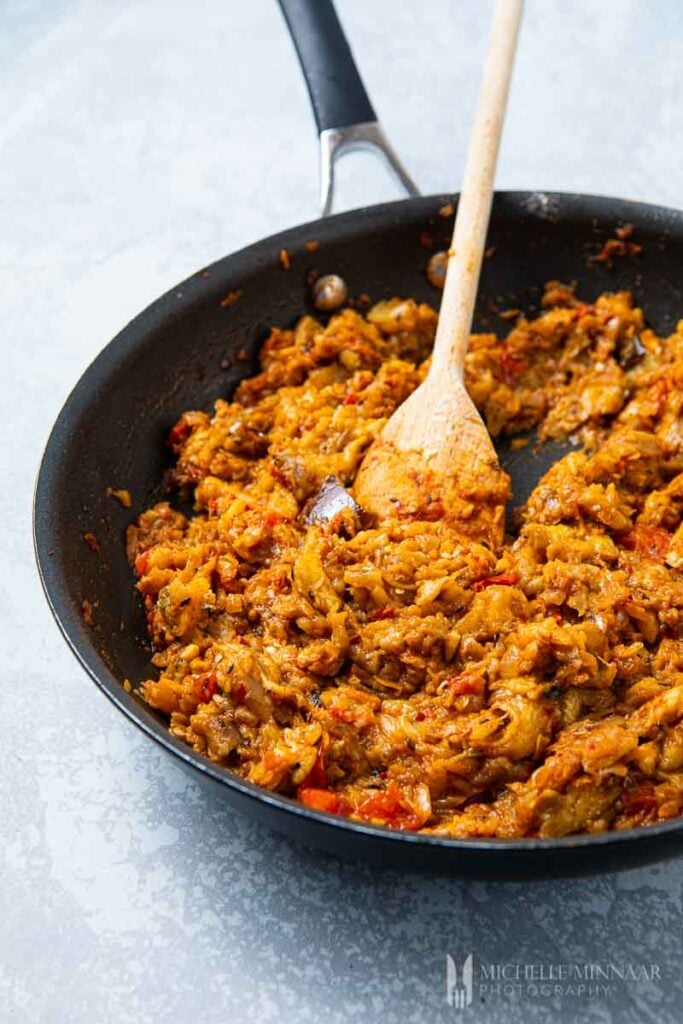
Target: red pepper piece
[[142, 563], [322, 800], [389, 807], [511, 366], [179, 434], [205, 687], [427, 713], [504, 579], [314, 792], [239, 692], [317, 777]]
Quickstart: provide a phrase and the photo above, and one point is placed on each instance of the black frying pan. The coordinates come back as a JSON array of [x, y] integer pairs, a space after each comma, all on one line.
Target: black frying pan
[[172, 357]]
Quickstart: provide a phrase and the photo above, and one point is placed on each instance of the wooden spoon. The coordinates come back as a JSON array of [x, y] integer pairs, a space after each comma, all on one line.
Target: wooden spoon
[[434, 459]]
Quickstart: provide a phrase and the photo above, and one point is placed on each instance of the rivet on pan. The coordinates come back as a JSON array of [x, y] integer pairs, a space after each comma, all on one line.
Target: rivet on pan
[[329, 292], [436, 269]]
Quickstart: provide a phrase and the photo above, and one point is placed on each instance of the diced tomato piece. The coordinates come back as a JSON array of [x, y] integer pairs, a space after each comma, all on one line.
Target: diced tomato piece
[[205, 687], [504, 579], [650, 541], [351, 399], [343, 715], [388, 612], [389, 807], [466, 683], [271, 519]]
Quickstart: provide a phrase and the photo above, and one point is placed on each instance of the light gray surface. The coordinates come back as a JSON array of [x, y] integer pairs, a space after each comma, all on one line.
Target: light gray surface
[[139, 141]]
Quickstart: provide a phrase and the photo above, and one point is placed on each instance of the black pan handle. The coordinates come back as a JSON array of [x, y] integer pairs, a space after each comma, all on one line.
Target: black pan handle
[[343, 112], [337, 93]]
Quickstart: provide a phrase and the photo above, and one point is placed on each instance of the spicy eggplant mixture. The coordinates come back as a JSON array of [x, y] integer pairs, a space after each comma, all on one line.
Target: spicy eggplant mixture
[[403, 674]]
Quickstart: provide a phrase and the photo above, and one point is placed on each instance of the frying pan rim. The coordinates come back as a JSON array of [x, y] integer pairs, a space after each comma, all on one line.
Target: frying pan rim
[[128, 340]]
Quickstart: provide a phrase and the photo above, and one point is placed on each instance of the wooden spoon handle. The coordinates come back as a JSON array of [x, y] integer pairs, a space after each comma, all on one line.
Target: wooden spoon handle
[[474, 207]]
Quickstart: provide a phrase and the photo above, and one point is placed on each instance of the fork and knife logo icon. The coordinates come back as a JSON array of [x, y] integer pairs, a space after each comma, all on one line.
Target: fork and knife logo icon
[[458, 993]]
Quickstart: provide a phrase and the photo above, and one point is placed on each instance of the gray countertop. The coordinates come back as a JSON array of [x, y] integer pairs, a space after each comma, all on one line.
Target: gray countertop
[[139, 141]]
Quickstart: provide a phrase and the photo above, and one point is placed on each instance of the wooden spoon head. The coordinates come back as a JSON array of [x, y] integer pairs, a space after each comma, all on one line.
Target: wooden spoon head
[[435, 460]]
